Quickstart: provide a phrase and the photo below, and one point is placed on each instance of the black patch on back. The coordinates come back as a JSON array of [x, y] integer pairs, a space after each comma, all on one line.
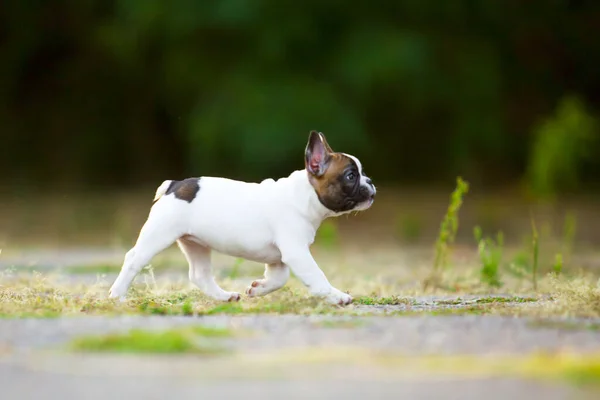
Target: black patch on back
[[186, 189]]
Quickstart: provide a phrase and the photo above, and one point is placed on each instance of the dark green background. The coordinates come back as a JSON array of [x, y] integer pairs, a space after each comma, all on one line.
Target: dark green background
[[120, 93]]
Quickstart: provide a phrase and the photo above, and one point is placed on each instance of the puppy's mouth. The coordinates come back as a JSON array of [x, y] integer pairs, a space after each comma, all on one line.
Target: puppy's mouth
[[366, 203]]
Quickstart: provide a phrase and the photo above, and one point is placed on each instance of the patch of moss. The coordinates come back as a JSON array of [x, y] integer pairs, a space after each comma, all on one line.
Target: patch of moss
[[488, 300], [263, 306], [185, 340], [382, 301], [445, 311]]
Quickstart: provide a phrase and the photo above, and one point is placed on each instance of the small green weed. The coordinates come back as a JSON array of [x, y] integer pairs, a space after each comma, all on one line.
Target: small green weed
[[520, 266], [490, 256], [536, 253], [447, 234], [558, 264], [449, 225]]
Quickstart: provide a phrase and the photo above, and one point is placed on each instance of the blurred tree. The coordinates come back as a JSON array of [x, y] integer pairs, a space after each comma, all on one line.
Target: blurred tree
[[115, 92]]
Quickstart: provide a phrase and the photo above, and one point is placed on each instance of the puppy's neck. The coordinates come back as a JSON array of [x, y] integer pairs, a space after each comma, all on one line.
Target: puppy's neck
[[307, 200]]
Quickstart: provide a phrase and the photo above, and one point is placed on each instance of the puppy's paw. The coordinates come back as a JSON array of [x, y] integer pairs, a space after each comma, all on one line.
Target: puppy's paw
[[234, 297], [115, 294], [338, 297], [255, 288]]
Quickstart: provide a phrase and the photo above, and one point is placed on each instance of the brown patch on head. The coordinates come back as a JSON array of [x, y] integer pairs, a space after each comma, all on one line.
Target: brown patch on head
[[334, 176], [186, 189], [334, 190]]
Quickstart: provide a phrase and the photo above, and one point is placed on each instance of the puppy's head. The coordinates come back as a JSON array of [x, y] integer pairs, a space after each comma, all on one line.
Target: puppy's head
[[338, 178]]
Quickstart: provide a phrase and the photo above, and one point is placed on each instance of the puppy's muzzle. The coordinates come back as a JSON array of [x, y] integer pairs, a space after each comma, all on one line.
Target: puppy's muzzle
[[368, 191]]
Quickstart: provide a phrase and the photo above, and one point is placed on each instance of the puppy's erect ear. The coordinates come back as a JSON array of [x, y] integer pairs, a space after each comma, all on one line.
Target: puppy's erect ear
[[322, 137], [318, 154]]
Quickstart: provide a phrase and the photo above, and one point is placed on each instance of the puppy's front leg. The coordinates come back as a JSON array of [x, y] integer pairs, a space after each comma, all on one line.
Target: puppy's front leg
[[304, 266]]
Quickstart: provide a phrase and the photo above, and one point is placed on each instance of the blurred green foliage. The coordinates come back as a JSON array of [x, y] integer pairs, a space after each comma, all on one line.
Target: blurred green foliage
[[490, 257], [114, 92], [561, 143]]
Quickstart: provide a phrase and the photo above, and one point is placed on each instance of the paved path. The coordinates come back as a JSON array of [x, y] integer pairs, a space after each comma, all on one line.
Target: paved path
[[467, 334], [23, 384], [32, 353]]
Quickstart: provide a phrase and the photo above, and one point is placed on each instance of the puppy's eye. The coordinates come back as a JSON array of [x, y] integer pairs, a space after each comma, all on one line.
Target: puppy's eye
[[351, 176]]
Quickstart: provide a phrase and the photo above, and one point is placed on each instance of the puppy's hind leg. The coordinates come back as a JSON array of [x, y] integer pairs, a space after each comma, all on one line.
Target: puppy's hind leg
[[200, 274], [154, 238], [276, 276]]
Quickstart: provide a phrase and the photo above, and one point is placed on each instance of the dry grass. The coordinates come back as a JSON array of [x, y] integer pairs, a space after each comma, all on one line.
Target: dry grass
[[51, 295]]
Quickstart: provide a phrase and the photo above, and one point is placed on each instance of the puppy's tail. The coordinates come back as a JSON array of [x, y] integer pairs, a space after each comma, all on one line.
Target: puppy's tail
[[162, 189]]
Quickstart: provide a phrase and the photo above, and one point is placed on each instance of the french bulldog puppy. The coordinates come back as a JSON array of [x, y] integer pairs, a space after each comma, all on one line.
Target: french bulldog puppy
[[272, 222]]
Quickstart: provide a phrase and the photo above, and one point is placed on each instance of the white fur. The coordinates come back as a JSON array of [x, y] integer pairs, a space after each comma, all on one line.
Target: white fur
[[272, 222], [364, 181], [162, 189]]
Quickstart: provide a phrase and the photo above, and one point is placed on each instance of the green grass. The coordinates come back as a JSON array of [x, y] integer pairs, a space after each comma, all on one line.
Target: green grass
[[183, 340], [382, 301]]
